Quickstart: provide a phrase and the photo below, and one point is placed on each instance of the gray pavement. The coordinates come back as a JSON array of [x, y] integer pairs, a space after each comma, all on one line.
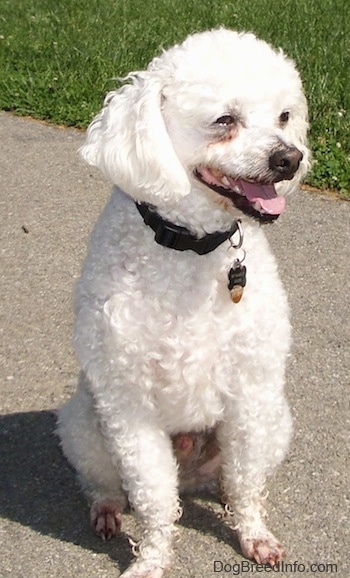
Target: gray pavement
[[49, 201]]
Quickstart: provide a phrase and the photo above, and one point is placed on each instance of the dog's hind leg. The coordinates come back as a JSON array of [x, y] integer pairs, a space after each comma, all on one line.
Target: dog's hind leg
[[83, 445]]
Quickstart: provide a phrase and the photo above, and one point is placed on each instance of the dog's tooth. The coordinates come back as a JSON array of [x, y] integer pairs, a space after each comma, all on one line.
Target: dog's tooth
[[225, 182], [216, 173]]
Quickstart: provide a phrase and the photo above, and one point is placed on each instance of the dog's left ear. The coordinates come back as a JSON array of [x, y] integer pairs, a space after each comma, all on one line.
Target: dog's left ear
[[297, 133], [129, 142]]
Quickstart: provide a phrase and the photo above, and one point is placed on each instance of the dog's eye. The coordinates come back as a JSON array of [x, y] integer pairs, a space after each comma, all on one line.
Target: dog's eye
[[284, 117], [226, 120]]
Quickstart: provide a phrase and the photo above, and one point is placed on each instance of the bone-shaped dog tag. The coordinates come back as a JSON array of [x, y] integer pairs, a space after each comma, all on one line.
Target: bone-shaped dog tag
[[237, 280]]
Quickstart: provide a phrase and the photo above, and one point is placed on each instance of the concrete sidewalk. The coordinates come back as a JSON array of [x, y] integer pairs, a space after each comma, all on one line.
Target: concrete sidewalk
[[49, 201]]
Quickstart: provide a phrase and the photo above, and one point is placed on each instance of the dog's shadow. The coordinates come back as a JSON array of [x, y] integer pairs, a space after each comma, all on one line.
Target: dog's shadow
[[38, 489]]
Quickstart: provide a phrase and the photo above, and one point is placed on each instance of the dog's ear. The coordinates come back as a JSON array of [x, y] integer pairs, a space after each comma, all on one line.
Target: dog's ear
[[129, 142], [296, 134]]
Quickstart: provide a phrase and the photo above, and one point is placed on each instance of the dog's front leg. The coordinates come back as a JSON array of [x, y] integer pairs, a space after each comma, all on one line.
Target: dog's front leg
[[253, 440], [143, 453]]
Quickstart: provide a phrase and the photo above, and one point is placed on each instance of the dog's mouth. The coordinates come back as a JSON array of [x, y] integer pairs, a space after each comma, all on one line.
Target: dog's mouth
[[256, 199]]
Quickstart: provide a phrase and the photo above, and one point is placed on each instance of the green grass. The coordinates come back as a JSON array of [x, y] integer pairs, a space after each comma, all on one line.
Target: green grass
[[59, 58]]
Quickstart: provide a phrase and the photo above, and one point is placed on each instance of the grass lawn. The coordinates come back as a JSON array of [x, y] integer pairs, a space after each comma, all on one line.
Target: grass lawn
[[59, 58]]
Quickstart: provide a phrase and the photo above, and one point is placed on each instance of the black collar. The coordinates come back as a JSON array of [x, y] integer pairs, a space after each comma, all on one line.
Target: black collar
[[179, 238]]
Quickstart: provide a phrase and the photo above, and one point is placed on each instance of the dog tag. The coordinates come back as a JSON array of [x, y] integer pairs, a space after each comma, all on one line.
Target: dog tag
[[237, 280]]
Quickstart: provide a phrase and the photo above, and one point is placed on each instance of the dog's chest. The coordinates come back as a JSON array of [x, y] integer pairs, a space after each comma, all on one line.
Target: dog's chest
[[177, 334], [188, 371]]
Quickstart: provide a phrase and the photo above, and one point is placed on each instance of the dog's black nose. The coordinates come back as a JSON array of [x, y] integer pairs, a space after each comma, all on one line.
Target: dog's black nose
[[284, 162]]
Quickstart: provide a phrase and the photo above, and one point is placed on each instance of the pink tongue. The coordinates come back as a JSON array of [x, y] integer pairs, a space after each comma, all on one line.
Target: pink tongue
[[264, 195]]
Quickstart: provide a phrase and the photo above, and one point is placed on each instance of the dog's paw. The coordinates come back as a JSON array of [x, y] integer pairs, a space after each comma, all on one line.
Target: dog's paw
[[264, 549], [106, 519], [143, 569]]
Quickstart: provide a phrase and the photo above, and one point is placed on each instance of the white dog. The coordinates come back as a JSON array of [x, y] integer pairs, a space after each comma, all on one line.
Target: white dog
[[182, 327]]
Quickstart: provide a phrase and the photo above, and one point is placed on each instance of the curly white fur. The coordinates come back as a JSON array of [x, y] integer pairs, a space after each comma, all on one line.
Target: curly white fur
[[163, 349]]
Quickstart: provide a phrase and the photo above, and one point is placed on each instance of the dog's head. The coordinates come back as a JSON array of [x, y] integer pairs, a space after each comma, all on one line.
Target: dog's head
[[222, 113]]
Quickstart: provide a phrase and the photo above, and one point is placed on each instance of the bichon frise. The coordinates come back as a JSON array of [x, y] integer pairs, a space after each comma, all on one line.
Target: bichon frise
[[182, 324]]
